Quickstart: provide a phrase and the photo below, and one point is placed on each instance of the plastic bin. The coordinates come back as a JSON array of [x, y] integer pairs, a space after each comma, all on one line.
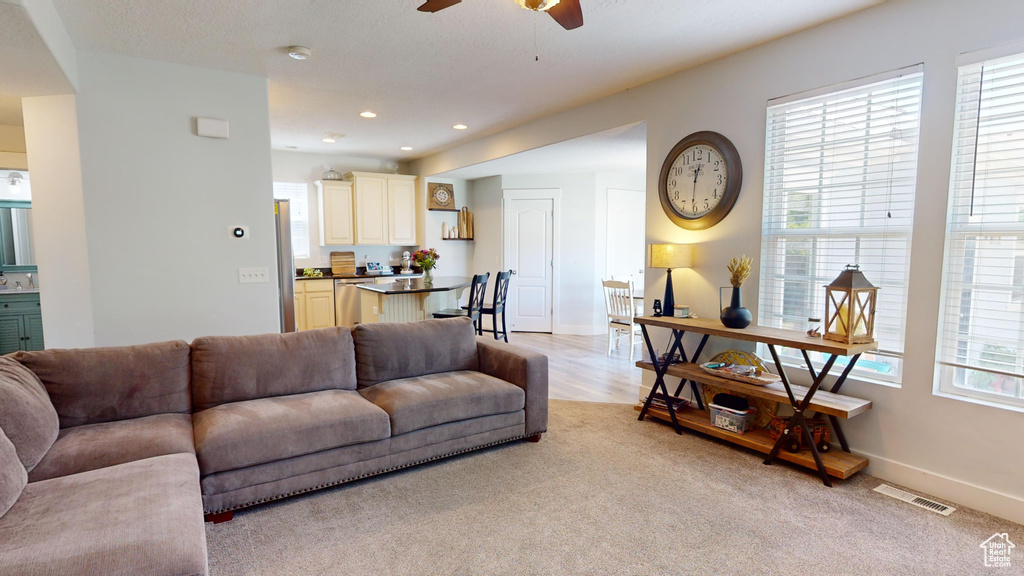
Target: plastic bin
[[737, 421]]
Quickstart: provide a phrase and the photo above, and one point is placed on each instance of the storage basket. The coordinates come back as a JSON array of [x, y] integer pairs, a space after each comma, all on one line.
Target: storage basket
[[738, 421]]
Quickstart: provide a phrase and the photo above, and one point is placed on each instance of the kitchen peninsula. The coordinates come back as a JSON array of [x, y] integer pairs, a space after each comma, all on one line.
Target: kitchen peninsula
[[410, 299]]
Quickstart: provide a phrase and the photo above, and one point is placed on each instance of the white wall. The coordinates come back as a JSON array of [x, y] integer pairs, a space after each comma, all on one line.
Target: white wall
[[160, 202], [12, 148], [60, 237], [581, 256], [577, 296], [456, 255], [953, 449]]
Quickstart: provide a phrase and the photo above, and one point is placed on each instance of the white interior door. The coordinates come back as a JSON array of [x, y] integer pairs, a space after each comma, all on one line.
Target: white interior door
[[529, 250], [626, 235]]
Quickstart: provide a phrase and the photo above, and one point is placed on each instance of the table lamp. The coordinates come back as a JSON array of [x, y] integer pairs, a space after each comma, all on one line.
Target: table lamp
[[670, 256]]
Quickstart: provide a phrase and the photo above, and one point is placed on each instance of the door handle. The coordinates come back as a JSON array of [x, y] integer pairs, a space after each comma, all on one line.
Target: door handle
[[514, 273]]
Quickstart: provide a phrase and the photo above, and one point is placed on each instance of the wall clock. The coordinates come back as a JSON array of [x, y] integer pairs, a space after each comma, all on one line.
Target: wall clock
[[440, 197], [700, 180]]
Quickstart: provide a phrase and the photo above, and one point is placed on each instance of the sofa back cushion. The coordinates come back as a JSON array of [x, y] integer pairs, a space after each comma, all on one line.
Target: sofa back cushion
[[26, 412], [235, 368], [92, 385], [403, 350], [13, 477]]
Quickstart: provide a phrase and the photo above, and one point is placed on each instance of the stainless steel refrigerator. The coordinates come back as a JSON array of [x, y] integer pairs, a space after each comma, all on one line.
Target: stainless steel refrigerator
[[285, 264]]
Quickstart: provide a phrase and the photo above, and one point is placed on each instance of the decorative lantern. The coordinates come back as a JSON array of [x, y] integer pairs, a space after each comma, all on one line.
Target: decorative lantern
[[850, 308]]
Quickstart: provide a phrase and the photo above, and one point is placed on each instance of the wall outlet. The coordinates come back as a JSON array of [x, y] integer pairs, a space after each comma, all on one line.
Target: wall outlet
[[253, 276], [376, 312]]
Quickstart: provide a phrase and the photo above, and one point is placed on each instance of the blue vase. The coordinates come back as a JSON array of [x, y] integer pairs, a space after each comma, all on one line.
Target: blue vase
[[735, 315]]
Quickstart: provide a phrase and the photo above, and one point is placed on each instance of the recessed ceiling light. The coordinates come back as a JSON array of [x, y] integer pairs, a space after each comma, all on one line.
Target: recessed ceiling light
[[332, 137], [406, 148], [460, 126], [299, 52], [368, 114], [292, 147]]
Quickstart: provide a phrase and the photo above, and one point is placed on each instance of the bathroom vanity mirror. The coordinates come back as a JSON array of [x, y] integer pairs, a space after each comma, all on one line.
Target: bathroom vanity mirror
[[16, 236]]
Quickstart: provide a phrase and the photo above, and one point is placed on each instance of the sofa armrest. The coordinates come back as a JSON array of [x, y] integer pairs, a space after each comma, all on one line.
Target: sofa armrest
[[528, 370]]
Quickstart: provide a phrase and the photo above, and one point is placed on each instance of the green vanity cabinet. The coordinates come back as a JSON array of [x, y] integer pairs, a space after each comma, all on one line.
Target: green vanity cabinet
[[21, 322]]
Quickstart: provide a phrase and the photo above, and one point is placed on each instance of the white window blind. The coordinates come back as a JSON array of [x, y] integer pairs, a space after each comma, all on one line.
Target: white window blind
[[981, 321], [298, 203], [839, 185]]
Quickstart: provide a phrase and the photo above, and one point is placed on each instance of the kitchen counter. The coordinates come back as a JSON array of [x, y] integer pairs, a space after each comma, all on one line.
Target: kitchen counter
[[358, 276], [409, 300], [414, 285]]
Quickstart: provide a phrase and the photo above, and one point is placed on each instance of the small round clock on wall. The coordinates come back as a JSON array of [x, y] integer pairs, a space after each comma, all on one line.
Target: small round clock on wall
[[700, 180]]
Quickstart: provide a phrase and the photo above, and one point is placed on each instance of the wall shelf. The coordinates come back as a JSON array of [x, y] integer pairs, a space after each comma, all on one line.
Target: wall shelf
[[458, 239], [443, 209]]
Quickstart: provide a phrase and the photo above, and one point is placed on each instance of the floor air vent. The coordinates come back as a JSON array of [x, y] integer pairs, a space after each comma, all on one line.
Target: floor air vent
[[915, 500]]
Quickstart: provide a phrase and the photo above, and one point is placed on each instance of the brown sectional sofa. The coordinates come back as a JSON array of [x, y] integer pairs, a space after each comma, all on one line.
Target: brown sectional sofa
[[110, 457]]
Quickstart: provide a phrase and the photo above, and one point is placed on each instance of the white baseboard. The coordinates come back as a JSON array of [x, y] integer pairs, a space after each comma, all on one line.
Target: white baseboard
[[956, 491]]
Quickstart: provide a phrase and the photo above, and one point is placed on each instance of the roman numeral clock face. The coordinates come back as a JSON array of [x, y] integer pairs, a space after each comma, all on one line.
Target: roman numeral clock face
[[700, 180]]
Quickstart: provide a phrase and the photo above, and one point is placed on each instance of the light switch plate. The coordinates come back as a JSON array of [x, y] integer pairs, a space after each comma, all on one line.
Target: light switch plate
[[253, 276], [212, 128]]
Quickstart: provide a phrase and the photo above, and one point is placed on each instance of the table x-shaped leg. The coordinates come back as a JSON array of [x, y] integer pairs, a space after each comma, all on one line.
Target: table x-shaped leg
[[835, 390], [798, 419], [659, 374]]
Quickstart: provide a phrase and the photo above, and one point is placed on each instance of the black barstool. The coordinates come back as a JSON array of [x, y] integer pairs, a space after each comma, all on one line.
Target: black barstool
[[476, 303], [497, 306]]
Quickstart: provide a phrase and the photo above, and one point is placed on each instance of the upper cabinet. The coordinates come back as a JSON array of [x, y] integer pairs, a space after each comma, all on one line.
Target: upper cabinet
[[370, 192], [336, 222], [383, 208], [402, 211]]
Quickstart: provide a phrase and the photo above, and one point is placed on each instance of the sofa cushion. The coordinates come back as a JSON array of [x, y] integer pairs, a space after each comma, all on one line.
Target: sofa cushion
[[235, 368], [92, 446], [253, 432], [12, 475], [26, 414], [423, 401], [144, 517], [94, 385], [403, 350]]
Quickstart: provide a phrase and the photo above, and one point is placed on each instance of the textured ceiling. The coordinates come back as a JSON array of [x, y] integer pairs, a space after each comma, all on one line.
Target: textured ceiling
[[621, 149], [472, 63], [26, 66]]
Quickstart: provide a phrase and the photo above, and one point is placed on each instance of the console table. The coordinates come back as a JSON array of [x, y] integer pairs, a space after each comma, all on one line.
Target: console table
[[802, 399]]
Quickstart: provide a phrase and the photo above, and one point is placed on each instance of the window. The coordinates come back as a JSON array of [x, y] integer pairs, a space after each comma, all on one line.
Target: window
[[298, 202], [839, 182], [981, 320]]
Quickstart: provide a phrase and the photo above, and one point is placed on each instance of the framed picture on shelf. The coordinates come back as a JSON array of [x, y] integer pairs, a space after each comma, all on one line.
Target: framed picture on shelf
[[441, 196]]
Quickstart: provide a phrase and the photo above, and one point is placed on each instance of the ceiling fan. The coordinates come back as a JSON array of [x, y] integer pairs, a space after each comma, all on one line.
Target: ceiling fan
[[566, 12]]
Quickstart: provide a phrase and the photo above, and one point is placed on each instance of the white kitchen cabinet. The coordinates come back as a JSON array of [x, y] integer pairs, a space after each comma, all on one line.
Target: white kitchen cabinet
[[402, 211], [370, 193], [337, 226], [300, 305], [384, 208], [314, 304]]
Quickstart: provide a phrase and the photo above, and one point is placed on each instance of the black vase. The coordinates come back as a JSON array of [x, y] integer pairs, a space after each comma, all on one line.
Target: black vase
[[735, 315]]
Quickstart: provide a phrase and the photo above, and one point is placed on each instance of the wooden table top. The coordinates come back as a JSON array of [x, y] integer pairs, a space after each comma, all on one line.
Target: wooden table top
[[775, 336]]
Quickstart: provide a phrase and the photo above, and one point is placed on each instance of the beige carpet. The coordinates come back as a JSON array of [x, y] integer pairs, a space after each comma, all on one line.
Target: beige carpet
[[603, 494]]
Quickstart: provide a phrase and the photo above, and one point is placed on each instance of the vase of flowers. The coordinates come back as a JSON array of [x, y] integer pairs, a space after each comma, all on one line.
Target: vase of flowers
[[427, 261], [735, 315]]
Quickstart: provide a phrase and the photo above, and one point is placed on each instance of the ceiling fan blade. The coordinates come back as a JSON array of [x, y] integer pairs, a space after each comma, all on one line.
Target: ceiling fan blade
[[435, 5], [567, 13]]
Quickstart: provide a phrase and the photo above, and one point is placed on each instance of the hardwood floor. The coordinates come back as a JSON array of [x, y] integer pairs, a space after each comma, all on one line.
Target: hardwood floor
[[579, 369]]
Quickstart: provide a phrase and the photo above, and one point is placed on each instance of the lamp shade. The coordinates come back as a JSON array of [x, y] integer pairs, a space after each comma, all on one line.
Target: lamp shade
[[671, 256]]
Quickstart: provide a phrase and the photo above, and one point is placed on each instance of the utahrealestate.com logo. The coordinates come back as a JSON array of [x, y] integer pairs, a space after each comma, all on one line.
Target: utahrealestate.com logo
[[997, 550]]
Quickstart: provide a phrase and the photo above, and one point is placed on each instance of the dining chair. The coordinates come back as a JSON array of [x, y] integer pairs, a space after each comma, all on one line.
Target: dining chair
[[618, 302], [476, 303], [497, 307]]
